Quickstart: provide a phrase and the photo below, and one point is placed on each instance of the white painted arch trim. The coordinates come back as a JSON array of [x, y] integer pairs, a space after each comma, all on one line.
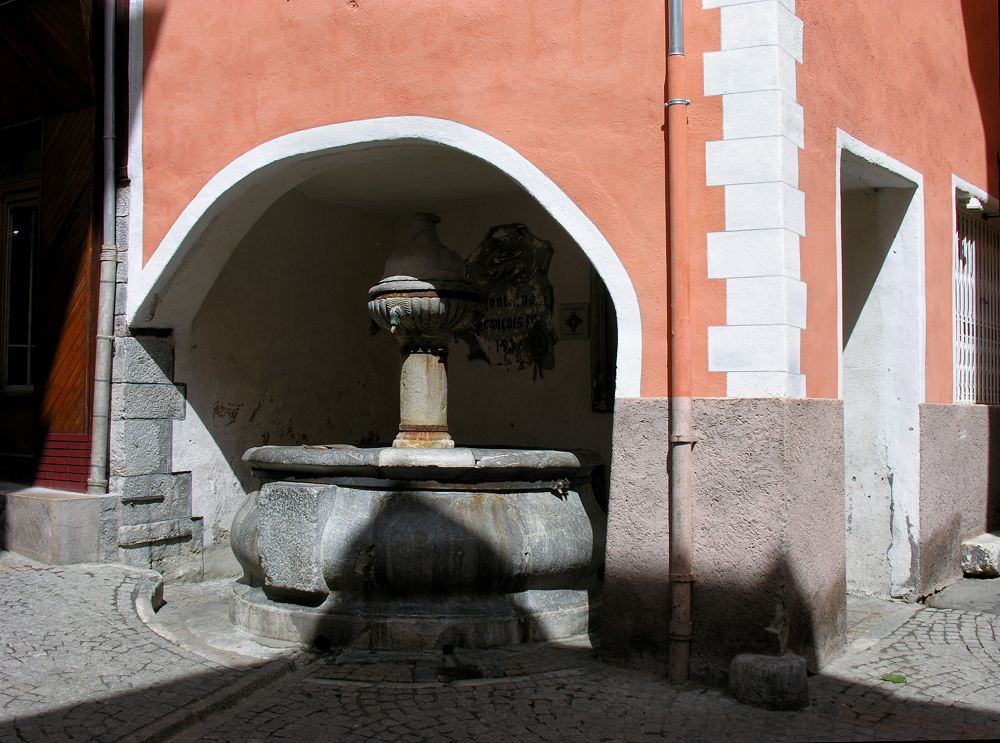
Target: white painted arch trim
[[866, 152], [259, 176]]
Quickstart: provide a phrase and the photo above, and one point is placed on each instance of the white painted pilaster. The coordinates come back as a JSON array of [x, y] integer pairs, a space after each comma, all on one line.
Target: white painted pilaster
[[757, 163]]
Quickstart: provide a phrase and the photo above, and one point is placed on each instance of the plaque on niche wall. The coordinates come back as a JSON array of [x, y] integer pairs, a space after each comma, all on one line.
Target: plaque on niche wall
[[515, 327], [574, 321]]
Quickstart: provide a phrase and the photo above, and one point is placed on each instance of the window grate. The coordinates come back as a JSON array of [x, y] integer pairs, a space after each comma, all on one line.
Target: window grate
[[976, 299]]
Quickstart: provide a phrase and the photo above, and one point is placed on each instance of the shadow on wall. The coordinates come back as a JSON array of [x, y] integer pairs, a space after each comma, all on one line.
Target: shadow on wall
[[993, 470], [770, 614], [280, 353], [982, 39]]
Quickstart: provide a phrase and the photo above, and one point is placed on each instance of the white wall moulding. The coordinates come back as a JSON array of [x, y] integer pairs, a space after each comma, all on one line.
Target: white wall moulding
[[873, 168], [167, 291], [765, 384], [753, 253], [761, 206], [757, 162], [752, 160], [762, 113], [747, 70], [712, 4], [766, 300], [765, 23], [753, 348]]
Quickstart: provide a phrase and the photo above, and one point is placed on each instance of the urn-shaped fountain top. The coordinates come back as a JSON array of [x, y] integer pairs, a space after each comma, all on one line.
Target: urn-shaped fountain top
[[423, 256], [424, 291]]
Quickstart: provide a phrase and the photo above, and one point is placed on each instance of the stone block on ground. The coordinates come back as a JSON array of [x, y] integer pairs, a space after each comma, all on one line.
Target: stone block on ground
[[769, 681], [53, 526], [981, 556]]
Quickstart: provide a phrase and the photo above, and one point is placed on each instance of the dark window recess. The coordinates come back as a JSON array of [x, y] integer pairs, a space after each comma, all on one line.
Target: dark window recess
[[20, 151], [20, 238]]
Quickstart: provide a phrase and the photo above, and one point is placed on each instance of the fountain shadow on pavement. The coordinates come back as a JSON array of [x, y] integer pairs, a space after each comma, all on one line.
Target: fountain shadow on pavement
[[359, 693]]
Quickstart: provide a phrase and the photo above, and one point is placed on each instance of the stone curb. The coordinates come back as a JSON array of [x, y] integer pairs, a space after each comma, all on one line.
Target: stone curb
[[148, 594]]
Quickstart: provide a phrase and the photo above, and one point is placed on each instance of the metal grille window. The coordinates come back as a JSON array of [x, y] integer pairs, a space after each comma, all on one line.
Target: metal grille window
[[976, 297]]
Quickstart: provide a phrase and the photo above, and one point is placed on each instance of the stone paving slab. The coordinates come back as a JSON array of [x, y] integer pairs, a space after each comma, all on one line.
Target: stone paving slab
[[78, 663]]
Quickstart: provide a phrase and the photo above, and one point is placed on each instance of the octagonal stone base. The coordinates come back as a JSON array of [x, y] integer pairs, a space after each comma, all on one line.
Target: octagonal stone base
[[468, 622], [418, 548]]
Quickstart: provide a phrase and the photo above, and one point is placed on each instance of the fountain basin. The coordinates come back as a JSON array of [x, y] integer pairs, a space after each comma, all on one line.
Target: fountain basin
[[416, 548]]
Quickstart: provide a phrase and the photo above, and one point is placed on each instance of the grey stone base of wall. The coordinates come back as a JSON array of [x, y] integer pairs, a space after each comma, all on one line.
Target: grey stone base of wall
[[959, 486], [56, 527], [155, 528], [769, 532]]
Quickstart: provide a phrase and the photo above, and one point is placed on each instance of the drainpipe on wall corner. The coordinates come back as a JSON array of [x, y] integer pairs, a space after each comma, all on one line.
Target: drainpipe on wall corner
[[682, 437], [101, 413]]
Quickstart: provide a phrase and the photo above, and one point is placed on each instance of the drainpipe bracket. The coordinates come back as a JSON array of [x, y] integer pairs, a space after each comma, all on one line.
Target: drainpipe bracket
[[684, 438], [677, 102]]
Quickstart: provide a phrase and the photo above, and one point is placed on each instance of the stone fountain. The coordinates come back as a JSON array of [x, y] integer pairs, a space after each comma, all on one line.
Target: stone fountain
[[423, 543]]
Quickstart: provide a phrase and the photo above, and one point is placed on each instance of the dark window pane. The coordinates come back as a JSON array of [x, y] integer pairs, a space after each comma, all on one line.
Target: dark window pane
[[21, 227], [20, 150], [17, 366]]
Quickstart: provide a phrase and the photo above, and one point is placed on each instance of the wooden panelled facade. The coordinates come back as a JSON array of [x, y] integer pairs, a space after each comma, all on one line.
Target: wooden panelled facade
[[48, 90]]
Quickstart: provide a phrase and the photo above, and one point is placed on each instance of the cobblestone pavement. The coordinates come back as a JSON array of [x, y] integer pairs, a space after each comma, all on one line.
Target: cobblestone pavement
[[78, 663]]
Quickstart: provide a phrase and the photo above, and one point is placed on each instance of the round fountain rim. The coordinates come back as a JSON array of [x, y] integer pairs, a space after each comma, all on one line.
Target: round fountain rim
[[466, 464]]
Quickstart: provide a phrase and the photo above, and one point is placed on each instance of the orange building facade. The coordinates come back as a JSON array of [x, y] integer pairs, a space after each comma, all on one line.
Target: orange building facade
[[841, 165]]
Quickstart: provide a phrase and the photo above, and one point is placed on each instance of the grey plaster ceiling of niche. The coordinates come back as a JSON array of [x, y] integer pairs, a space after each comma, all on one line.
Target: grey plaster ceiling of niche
[[402, 179], [858, 174]]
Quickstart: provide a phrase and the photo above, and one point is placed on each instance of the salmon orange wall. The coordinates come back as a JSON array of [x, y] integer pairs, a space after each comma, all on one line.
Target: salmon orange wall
[[575, 86], [706, 205], [918, 80]]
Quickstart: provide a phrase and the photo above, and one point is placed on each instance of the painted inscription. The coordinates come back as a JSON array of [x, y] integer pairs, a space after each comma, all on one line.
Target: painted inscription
[[515, 327]]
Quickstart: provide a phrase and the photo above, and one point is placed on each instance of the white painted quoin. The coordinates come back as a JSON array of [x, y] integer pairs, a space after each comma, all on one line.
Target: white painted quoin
[[756, 163]]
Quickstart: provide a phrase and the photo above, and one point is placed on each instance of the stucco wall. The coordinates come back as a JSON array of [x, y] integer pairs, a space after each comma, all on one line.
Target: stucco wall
[[917, 80], [959, 485], [636, 595], [769, 540], [769, 532], [577, 89]]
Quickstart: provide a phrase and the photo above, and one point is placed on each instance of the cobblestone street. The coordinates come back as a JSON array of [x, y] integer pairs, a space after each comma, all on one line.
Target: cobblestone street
[[80, 663]]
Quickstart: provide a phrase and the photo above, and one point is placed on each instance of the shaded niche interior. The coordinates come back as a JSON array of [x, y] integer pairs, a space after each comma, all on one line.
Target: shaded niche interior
[[282, 351]]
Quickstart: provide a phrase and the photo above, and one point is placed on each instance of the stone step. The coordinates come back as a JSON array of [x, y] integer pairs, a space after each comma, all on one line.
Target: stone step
[[981, 556]]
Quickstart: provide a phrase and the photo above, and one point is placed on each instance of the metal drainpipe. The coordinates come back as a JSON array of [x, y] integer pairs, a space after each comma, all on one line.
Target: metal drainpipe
[[101, 422], [682, 437]]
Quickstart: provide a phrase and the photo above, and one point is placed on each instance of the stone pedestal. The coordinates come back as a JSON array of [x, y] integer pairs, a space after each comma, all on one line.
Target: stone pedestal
[[423, 399], [417, 548]]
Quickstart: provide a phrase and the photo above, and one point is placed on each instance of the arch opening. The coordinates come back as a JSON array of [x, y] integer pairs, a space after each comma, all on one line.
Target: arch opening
[[277, 349]]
